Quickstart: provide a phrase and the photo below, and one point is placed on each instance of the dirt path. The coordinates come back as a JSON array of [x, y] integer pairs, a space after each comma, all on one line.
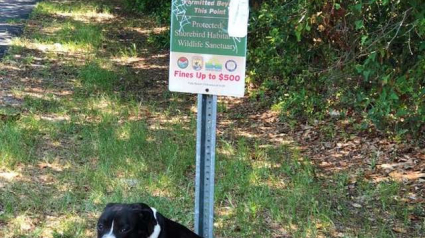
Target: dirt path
[[12, 12]]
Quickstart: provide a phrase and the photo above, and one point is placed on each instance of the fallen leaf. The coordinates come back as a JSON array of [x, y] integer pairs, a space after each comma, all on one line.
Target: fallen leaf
[[409, 175], [399, 229]]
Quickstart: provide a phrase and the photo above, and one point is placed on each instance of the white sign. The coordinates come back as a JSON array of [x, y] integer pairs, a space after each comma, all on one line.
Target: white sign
[[238, 18], [207, 74], [204, 58]]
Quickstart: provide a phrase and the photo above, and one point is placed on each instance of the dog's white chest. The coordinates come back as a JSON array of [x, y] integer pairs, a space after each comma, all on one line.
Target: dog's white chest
[[110, 234], [157, 228]]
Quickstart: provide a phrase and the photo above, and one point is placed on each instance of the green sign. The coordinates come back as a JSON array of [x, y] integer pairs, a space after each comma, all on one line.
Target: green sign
[[201, 27], [204, 57]]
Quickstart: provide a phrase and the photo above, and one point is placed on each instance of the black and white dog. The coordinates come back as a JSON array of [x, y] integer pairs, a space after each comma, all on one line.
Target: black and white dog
[[138, 220]]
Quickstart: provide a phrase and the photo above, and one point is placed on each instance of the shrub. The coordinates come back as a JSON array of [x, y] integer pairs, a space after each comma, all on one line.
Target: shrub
[[367, 56], [159, 8]]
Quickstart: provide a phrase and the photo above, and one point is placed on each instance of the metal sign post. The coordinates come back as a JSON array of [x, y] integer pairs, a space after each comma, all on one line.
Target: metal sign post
[[207, 57], [205, 165]]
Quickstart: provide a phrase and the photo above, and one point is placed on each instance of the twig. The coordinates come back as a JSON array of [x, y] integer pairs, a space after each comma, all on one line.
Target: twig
[[398, 29], [408, 43], [302, 18]]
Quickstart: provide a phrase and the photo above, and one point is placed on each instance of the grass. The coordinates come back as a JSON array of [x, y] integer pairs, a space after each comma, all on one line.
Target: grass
[[84, 139]]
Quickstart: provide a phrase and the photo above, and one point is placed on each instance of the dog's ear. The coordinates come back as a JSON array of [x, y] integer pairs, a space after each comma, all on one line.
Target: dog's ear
[[109, 205], [140, 207], [146, 215], [144, 211]]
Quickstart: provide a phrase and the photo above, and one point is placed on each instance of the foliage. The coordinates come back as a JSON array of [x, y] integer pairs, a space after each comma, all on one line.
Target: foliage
[[364, 57], [160, 8]]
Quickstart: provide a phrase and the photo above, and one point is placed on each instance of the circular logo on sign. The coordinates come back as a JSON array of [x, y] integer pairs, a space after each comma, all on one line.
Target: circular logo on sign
[[183, 62], [231, 65]]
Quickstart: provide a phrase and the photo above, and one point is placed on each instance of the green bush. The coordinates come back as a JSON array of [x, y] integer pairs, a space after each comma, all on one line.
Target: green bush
[[364, 56], [161, 9]]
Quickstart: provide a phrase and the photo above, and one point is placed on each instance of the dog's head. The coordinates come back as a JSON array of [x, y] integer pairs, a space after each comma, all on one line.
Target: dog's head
[[136, 220]]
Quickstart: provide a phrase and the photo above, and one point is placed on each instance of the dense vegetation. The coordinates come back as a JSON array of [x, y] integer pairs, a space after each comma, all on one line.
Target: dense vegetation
[[318, 59]]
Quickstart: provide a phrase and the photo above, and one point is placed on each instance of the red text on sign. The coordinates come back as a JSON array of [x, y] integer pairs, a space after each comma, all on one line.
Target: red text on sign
[[181, 74], [229, 77]]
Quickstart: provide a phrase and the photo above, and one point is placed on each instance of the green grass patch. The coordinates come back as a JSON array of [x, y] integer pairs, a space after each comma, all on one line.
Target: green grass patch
[[94, 77], [72, 8], [74, 35], [16, 144]]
